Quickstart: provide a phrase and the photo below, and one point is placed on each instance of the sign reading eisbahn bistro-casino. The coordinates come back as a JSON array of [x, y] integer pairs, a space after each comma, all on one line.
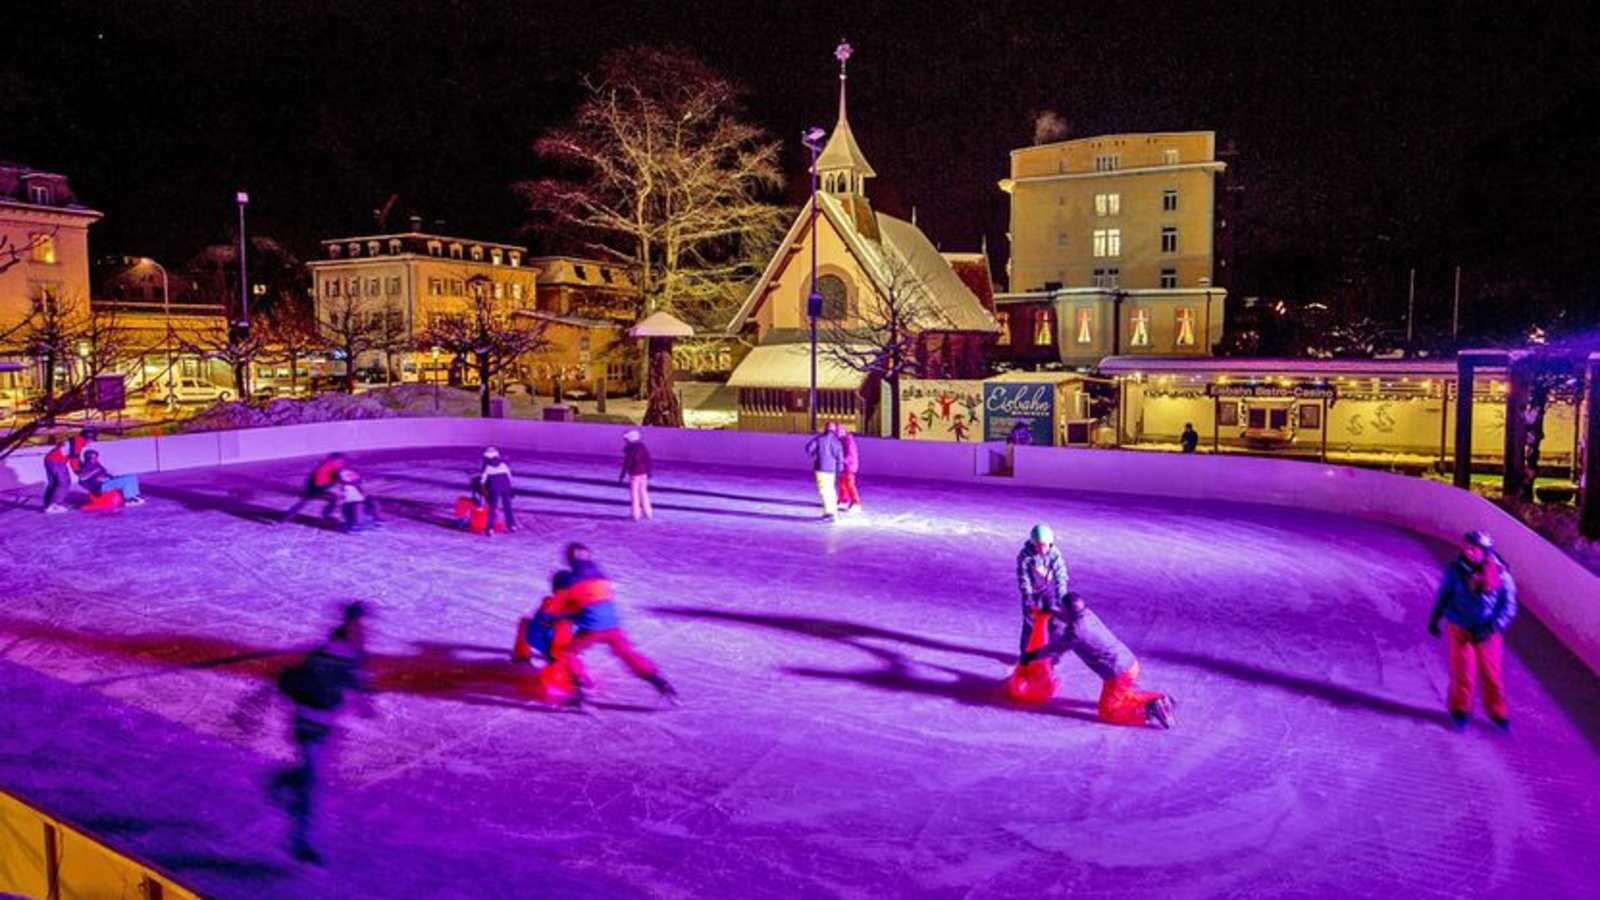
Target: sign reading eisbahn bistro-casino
[[1274, 391]]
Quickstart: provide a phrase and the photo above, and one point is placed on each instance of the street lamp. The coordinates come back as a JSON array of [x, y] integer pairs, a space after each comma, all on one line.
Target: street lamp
[[813, 141], [435, 354]]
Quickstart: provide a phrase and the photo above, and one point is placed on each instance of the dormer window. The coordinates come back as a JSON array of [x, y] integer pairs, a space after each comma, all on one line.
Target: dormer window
[[372, 248], [40, 194], [455, 251], [435, 248], [496, 256], [355, 249], [477, 253], [335, 251], [394, 247], [583, 273], [516, 258]]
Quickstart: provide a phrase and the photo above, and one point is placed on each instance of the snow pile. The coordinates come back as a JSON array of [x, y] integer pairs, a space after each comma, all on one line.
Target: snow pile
[[400, 400]]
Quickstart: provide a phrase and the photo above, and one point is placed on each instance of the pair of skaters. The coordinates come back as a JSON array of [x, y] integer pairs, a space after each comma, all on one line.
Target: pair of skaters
[[579, 613], [835, 460], [73, 456], [491, 489], [338, 487]]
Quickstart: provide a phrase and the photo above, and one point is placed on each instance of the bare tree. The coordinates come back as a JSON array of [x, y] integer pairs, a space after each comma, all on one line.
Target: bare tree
[[290, 334], [66, 335], [235, 347], [390, 337], [880, 338], [348, 329], [662, 175], [485, 335], [12, 253]]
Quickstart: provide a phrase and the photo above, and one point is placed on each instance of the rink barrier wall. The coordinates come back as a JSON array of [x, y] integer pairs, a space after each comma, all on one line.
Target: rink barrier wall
[[43, 856], [1563, 594]]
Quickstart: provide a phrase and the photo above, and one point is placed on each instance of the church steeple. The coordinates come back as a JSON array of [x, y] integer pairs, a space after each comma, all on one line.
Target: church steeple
[[842, 167]]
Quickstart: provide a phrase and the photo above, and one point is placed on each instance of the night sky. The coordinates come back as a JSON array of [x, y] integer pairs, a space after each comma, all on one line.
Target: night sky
[[1369, 138]]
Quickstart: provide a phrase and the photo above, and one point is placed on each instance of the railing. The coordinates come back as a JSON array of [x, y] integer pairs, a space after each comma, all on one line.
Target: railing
[[43, 856]]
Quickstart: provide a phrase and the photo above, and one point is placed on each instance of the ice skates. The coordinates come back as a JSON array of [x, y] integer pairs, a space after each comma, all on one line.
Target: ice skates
[[663, 687], [1161, 712]]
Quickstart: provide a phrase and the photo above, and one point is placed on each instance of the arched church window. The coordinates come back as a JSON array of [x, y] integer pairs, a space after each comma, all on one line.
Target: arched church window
[[835, 297]]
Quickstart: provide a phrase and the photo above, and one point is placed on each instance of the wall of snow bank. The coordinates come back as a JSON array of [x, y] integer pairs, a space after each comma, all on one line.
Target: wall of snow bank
[[1564, 595]]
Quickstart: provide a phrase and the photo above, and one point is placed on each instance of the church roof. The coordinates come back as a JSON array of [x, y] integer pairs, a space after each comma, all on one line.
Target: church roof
[[973, 270], [842, 152]]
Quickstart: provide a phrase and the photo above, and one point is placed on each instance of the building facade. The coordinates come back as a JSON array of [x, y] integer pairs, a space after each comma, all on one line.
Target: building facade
[[403, 280], [1112, 249], [871, 269]]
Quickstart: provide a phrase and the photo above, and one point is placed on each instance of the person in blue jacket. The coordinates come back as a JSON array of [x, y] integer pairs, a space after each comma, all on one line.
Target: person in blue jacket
[[591, 604], [827, 461], [1478, 600]]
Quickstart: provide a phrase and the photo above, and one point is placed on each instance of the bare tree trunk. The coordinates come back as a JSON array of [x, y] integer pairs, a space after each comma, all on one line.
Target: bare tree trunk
[[663, 407], [894, 405], [483, 385]]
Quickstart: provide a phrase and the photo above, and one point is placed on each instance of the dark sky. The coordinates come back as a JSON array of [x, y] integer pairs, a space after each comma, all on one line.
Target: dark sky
[[1370, 135]]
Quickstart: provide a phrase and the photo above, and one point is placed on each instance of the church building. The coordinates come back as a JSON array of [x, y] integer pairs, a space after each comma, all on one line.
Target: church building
[[875, 273]]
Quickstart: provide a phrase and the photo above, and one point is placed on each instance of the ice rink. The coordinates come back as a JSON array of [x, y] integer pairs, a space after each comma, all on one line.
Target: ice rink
[[843, 732]]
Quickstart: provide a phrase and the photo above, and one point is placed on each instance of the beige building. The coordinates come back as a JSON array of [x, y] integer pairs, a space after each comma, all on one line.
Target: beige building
[[590, 288], [1112, 249], [412, 276]]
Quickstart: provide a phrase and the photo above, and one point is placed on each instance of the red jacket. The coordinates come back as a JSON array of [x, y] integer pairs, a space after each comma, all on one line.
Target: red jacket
[[69, 452]]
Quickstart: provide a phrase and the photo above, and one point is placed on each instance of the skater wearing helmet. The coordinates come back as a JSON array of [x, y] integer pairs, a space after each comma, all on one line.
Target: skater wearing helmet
[[591, 603], [1478, 600], [1042, 580], [1121, 701], [496, 478], [636, 471]]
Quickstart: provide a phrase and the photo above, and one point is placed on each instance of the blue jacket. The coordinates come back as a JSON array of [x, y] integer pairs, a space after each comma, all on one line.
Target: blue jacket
[[591, 595], [1041, 577], [827, 453], [1460, 602]]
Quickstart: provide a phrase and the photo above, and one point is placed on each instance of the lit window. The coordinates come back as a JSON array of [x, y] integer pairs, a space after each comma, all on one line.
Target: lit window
[[1107, 163], [394, 286], [394, 247], [516, 258], [455, 251], [1085, 325], [1169, 239], [372, 287], [353, 288], [435, 248], [331, 287], [1107, 278], [477, 253], [1169, 278], [1141, 328], [496, 256], [39, 193], [516, 291], [335, 251], [1107, 204], [44, 249], [355, 249], [1004, 320], [1041, 329], [1169, 200], [499, 290], [1185, 327], [436, 286], [1170, 156], [372, 248], [1108, 242]]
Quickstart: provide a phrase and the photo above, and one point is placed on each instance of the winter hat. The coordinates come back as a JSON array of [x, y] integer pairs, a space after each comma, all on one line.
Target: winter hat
[[1479, 539], [491, 453], [631, 436], [1042, 535]]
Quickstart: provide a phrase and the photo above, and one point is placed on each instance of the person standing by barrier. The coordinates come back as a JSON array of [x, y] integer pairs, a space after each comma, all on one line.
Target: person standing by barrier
[[849, 495], [1190, 439], [59, 464], [317, 685], [636, 470], [827, 460], [1478, 600]]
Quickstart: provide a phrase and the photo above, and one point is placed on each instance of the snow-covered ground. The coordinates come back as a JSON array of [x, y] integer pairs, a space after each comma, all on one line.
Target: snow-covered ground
[[843, 733]]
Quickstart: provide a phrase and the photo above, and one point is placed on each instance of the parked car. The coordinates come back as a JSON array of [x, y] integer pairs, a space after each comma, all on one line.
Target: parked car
[[195, 390]]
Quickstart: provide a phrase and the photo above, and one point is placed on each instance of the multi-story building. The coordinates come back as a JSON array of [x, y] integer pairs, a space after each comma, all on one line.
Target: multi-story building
[[1112, 249], [590, 288], [44, 254], [404, 279]]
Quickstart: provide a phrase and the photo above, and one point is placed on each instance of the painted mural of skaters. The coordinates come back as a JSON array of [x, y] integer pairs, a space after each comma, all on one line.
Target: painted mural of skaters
[[1477, 599], [320, 485], [318, 686], [827, 461], [849, 492], [1122, 702], [636, 471], [64, 459], [496, 477]]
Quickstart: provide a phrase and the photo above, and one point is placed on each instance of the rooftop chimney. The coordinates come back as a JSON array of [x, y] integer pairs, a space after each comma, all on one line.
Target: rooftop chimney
[[416, 223]]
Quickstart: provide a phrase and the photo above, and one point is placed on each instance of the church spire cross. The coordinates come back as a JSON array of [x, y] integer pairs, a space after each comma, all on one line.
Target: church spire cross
[[842, 53]]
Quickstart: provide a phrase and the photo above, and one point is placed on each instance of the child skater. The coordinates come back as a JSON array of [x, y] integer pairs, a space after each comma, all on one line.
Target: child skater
[[593, 608]]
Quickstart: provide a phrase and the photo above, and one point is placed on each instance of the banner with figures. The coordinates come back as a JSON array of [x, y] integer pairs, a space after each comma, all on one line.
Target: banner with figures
[[941, 410]]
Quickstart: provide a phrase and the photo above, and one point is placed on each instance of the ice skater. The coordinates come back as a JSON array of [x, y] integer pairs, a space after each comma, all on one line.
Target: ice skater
[[591, 603], [318, 685], [496, 477], [849, 495], [1042, 581], [63, 459], [827, 459], [358, 510], [320, 485], [93, 475], [636, 470], [1121, 700], [1478, 600]]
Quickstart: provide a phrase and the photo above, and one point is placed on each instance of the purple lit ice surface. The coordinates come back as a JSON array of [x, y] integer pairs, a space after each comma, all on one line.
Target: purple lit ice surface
[[843, 733]]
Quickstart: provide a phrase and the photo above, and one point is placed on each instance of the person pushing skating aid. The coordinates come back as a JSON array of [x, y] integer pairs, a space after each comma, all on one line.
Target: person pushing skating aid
[[1121, 700]]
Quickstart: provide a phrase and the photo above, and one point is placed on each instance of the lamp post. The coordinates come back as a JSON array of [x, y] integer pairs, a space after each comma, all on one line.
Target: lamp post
[[166, 313], [813, 141], [435, 354]]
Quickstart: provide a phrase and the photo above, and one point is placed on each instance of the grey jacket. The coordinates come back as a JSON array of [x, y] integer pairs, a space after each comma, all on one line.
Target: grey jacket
[[827, 453]]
